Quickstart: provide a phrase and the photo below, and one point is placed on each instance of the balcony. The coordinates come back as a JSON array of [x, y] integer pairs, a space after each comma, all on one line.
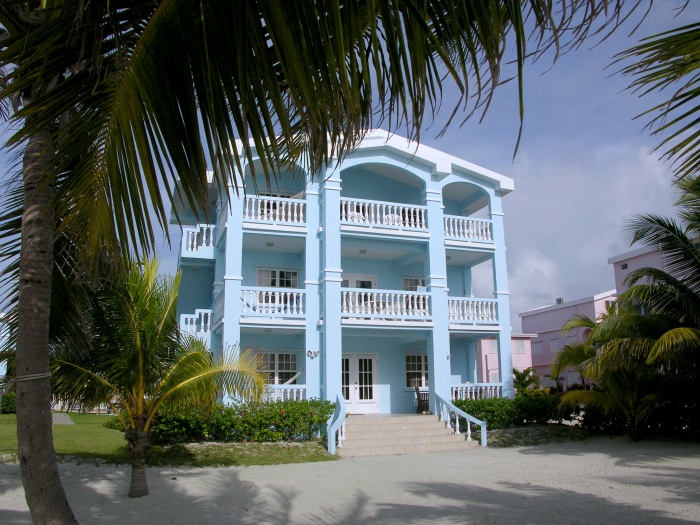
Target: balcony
[[471, 311], [198, 325], [198, 241], [360, 213], [459, 228], [385, 305], [278, 303], [278, 210]]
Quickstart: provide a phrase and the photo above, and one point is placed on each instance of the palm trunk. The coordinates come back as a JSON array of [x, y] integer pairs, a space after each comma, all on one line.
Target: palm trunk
[[139, 446], [45, 496]]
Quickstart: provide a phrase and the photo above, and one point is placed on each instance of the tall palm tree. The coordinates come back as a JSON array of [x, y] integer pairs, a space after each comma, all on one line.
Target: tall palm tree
[[115, 99], [139, 362]]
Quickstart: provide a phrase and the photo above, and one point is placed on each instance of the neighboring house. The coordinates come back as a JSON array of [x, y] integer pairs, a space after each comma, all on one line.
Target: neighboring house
[[379, 275], [547, 322], [487, 356], [626, 263]]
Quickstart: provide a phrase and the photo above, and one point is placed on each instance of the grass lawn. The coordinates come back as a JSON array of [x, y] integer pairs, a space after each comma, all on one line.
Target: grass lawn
[[88, 439]]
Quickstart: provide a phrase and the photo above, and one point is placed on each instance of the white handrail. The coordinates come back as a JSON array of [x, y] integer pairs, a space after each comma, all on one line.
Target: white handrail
[[465, 228], [336, 425], [447, 408]]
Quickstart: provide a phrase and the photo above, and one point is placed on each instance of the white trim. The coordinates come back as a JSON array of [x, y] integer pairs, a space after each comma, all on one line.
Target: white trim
[[233, 278]]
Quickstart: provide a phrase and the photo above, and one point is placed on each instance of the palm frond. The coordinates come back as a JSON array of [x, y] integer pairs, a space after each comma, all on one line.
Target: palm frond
[[670, 61]]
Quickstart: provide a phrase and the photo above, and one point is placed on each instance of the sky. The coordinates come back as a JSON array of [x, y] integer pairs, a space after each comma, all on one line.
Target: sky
[[583, 168]]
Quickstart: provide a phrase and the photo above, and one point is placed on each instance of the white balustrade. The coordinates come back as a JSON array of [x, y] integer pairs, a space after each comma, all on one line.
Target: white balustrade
[[384, 304], [200, 322], [275, 209], [385, 214], [464, 228], [200, 237], [477, 391], [281, 302], [285, 392], [473, 310]]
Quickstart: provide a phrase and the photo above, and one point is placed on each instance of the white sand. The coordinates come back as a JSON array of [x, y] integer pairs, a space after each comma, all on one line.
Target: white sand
[[606, 481]]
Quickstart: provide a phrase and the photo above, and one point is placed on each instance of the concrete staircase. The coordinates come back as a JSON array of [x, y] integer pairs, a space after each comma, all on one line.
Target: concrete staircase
[[373, 435]]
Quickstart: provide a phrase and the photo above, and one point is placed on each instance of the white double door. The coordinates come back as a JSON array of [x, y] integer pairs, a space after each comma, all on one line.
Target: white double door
[[359, 382]]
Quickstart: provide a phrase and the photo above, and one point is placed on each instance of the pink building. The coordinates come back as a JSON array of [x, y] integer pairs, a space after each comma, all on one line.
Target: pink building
[[626, 263], [547, 322], [487, 356]]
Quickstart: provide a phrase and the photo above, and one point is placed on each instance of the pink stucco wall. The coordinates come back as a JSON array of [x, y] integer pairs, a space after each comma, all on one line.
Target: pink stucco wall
[[547, 323], [626, 263], [487, 357]]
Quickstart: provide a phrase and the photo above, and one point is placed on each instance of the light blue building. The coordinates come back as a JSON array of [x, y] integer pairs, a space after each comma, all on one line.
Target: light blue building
[[375, 277]]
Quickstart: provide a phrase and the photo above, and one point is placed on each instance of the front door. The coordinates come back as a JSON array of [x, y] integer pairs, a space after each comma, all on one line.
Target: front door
[[360, 383]]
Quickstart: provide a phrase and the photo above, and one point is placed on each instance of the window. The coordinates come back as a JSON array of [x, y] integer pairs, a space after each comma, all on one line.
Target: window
[[519, 346], [494, 377], [493, 346], [624, 266], [571, 339], [411, 284], [270, 278], [554, 345], [416, 371], [280, 367], [537, 348]]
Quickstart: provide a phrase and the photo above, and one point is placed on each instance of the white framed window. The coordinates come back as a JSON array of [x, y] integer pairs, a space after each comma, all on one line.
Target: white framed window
[[278, 277], [416, 370], [493, 346], [412, 282], [537, 347], [494, 377], [519, 346], [365, 282], [554, 345], [280, 367]]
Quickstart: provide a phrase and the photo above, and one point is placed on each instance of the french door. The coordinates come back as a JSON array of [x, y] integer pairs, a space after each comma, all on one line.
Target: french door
[[359, 383]]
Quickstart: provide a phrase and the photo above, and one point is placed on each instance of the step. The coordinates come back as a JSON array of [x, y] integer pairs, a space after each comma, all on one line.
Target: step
[[399, 434]]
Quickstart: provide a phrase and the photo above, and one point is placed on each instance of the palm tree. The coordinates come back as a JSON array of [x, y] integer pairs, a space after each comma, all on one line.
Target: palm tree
[[114, 99], [524, 379], [139, 362]]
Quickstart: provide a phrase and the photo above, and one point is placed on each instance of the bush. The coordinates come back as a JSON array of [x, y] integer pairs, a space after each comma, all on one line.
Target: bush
[[497, 411], [538, 408], [271, 421], [8, 405], [533, 392]]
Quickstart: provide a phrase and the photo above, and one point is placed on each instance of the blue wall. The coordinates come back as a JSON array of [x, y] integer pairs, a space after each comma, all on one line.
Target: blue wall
[[195, 289], [363, 184]]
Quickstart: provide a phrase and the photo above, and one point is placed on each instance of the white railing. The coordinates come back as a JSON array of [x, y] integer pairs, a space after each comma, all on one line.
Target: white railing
[[275, 209], [477, 391], [483, 311], [449, 413], [283, 302], [386, 214], [200, 237], [463, 228], [285, 392], [335, 430], [200, 322], [384, 304], [218, 302]]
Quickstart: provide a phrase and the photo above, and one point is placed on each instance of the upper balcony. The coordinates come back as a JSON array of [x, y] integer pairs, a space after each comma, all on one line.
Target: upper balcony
[[198, 242], [264, 212], [393, 218]]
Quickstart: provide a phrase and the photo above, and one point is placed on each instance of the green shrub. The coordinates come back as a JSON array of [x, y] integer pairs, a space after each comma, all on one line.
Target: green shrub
[[8, 403], [538, 408], [270, 421], [497, 411], [533, 392]]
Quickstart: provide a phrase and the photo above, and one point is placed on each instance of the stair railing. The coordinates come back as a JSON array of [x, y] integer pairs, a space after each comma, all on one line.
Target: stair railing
[[447, 408], [336, 425]]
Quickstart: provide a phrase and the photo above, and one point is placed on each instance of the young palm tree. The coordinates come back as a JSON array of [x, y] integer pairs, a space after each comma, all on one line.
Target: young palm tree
[[524, 379], [139, 362], [114, 99]]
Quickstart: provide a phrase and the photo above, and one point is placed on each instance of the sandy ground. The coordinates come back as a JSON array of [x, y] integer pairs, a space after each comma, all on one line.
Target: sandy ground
[[600, 480]]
